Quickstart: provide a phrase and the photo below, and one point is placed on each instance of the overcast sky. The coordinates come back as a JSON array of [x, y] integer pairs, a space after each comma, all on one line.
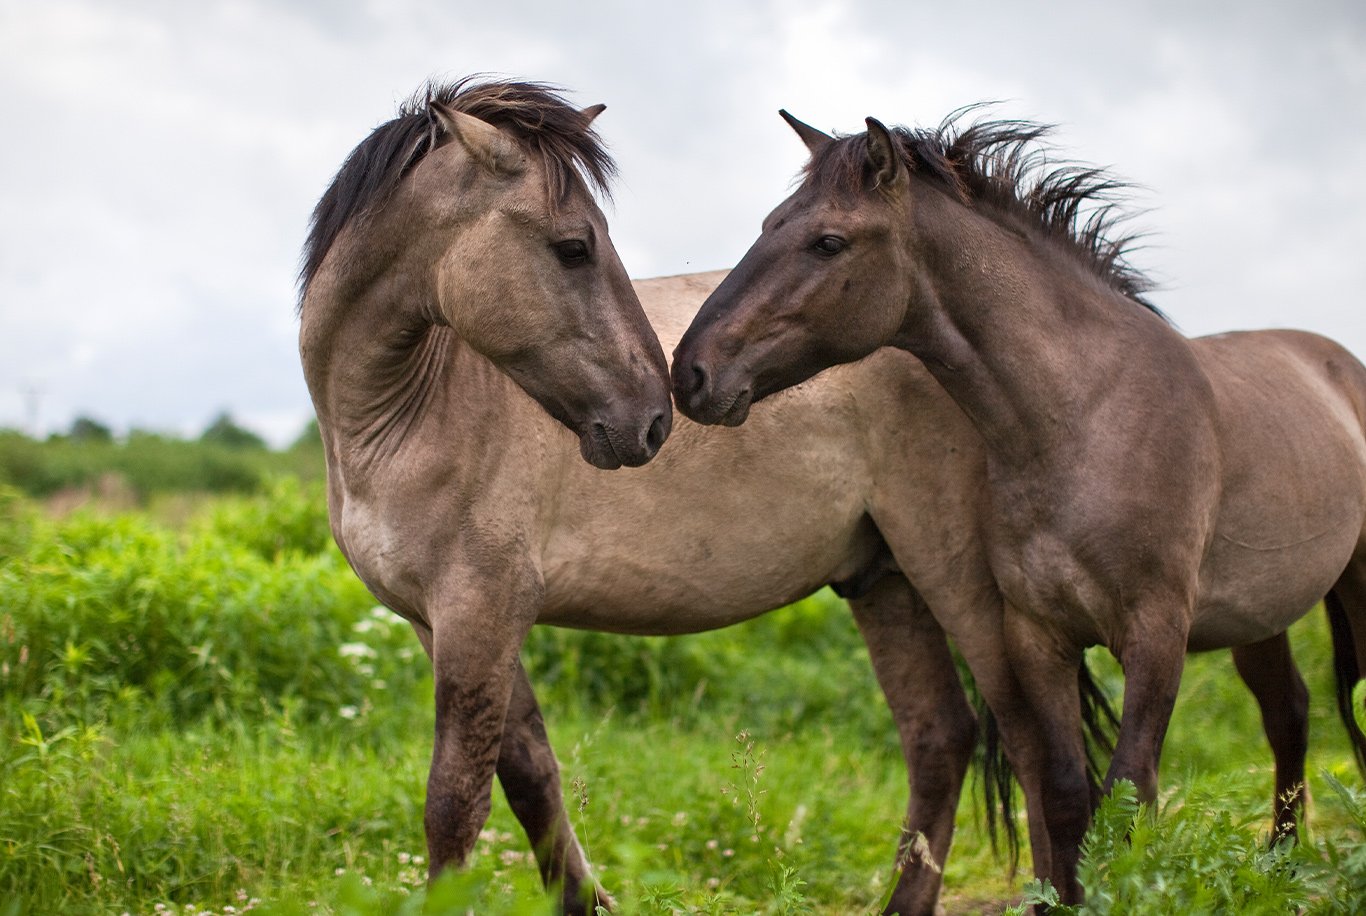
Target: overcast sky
[[160, 159]]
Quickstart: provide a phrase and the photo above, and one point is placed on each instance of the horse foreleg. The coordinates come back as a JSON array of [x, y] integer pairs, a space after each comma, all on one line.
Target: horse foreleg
[[1046, 670], [1152, 655], [530, 777], [474, 647], [937, 726], [1268, 669]]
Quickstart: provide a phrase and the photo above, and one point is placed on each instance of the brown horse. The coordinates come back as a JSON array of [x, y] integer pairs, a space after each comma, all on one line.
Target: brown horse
[[460, 291], [462, 306], [1144, 491]]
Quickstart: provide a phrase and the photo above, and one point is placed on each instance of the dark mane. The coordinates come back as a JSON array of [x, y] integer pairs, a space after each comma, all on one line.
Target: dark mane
[[548, 126], [1004, 165]]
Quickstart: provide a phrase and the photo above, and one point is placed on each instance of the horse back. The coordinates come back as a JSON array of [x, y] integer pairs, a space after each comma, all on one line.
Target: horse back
[[1284, 383], [671, 302]]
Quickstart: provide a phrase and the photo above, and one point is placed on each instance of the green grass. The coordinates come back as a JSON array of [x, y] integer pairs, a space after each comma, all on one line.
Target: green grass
[[213, 715]]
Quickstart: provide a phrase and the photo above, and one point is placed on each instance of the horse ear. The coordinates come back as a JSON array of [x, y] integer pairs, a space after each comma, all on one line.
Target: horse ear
[[488, 145], [888, 168], [591, 113], [813, 138]]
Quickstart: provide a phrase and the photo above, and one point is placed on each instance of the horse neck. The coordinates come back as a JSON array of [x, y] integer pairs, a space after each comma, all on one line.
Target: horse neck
[[1021, 334], [376, 362]]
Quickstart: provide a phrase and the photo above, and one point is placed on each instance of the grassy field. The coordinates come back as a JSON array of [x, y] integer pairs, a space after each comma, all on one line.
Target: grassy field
[[203, 711]]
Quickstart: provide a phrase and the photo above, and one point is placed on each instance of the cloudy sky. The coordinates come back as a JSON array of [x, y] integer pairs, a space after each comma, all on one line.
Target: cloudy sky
[[160, 159]]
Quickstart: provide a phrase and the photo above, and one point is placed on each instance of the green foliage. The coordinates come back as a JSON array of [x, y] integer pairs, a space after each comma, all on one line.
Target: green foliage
[[201, 714], [18, 519], [812, 643], [86, 429], [151, 463], [224, 431], [288, 518], [1198, 856], [1343, 868], [249, 610]]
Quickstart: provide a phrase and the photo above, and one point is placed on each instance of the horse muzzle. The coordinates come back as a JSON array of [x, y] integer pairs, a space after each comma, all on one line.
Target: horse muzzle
[[703, 398], [609, 443]]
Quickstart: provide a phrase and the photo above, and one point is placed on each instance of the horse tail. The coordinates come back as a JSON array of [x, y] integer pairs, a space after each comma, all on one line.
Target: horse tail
[[1348, 671], [998, 786], [1100, 723]]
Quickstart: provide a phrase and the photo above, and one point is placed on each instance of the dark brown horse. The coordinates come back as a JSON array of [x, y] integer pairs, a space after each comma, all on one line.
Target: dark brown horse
[[1144, 491]]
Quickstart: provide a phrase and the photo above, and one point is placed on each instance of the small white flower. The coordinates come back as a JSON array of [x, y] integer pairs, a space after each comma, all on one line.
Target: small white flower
[[356, 650], [347, 712]]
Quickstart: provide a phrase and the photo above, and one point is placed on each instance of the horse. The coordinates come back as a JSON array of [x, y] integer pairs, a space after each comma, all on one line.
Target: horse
[[476, 357], [1145, 491]]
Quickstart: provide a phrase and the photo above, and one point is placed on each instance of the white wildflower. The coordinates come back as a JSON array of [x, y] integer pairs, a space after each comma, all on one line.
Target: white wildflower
[[356, 650]]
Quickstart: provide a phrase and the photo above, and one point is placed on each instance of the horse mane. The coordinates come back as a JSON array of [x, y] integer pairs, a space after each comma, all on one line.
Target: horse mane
[[1003, 164], [536, 114]]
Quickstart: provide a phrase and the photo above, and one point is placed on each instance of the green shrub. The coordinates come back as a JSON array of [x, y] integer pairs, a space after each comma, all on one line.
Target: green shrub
[[802, 664], [289, 516], [104, 609], [150, 463], [1205, 852]]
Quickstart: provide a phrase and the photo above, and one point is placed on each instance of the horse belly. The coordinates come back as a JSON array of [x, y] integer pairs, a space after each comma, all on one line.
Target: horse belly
[[1252, 591], [651, 602], [662, 555]]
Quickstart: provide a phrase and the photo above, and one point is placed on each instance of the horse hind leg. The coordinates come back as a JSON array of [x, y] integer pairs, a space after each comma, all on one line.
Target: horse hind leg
[[1346, 606], [530, 777], [1268, 669], [936, 724]]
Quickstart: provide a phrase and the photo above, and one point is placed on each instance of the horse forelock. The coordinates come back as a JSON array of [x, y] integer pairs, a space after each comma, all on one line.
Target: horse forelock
[[1005, 165], [554, 132]]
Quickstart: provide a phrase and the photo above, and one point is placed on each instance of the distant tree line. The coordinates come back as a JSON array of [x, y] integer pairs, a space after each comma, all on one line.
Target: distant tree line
[[226, 457]]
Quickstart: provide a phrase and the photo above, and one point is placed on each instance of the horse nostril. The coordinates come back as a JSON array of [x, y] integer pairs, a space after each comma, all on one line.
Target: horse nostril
[[699, 378], [655, 435]]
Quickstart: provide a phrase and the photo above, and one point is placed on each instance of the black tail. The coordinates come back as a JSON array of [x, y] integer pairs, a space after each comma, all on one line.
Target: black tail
[[1348, 673], [998, 786], [1101, 724]]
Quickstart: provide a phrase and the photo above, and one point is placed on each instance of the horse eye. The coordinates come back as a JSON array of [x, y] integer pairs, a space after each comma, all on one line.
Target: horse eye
[[829, 245], [571, 253]]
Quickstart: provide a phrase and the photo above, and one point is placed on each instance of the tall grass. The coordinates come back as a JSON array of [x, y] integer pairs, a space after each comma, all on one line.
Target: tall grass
[[215, 715]]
